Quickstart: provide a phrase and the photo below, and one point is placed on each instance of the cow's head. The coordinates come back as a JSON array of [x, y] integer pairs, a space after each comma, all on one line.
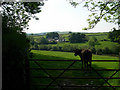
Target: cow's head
[[77, 52]]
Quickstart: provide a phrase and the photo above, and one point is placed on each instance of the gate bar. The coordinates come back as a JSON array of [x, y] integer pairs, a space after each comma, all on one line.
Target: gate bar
[[109, 78], [79, 77], [48, 74], [104, 79], [75, 60], [76, 69], [76, 85], [60, 74]]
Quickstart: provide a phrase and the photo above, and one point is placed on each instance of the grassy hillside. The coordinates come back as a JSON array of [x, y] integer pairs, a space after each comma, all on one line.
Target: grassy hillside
[[105, 44], [70, 56]]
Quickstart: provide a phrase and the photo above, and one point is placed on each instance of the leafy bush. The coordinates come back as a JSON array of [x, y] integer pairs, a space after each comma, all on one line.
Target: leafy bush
[[93, 41], [43, 47], [93, 50], [77, 38], [99, 51], [106, 50], [115, 49], [114, 35]]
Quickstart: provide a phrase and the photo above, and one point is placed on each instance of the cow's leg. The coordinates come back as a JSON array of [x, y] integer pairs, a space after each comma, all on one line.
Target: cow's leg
[[85, 64], [90, 63], [82, 64]]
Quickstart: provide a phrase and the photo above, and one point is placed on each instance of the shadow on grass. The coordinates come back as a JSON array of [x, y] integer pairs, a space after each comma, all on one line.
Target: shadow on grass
[[64, 65]]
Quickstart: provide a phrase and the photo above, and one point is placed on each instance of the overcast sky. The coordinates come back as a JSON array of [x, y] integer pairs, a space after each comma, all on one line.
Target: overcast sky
[[59, 15]]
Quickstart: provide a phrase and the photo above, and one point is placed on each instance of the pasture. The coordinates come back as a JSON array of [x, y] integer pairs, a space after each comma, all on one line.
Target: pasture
[[105, 44], [55, 55]]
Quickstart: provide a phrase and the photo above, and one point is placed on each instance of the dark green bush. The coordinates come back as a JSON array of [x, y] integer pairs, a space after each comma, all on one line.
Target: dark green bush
[[106, 50], [99, 51]]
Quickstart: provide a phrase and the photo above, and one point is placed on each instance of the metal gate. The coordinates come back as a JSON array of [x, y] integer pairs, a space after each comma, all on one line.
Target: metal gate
[[55, 84]]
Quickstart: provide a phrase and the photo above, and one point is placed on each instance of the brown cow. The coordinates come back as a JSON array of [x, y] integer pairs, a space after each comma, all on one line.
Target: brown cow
[[85, 55]]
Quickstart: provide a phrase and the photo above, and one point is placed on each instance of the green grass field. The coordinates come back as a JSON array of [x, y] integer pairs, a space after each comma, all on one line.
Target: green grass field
[[54, 55]]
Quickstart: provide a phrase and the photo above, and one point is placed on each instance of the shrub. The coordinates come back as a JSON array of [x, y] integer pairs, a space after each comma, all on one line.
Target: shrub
[[66, 48], [93, 50], [77, 37], [99, 51], [49, 47], [55, 48], [106, 50], [43, 47], [115, 49]]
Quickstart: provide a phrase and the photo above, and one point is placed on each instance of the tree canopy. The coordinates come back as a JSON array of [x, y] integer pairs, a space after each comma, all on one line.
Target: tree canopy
[[108, 10], [52, 35], [77, 38], [114, 35], [15, 44], [19, 13]]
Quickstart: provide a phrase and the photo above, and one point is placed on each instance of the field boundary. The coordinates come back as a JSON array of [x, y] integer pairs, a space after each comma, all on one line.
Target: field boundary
[[54, 79]]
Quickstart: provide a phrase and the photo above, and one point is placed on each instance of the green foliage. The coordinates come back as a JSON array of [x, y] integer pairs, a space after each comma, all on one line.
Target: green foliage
[[43, 41], [93, 50], [100, 41], [99, 51], [106, 10], [114, 35], [106, 50], [19, 13], [52, 35], [93, 41], [77, 38], [16, 47], [102, 10]]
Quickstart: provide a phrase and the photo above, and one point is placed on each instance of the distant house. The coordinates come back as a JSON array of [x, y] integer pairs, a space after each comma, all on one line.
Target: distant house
[[57, 39], [53, 39]]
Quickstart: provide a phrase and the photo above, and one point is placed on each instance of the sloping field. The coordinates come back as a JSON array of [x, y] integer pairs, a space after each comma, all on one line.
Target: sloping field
[[54, 55]]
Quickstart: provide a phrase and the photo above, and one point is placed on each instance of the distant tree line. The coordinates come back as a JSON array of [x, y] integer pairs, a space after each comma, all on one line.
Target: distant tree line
[[43, 43], [70, 48], [66, 47], [51, 38]]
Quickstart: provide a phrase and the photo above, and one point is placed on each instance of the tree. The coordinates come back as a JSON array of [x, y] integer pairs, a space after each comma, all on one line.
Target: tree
[[52, 35], [114, 35], [107, 10], [15, 44], [77, 38], [91, 43], [43, 40]]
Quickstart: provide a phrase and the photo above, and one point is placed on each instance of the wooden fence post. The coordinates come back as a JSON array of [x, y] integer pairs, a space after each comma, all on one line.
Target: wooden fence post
[[27, 74]]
